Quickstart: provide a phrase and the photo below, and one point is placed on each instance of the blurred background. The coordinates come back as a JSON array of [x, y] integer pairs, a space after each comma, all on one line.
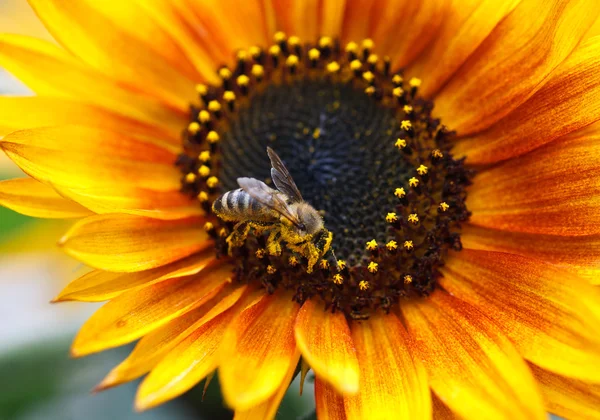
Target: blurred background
[[39, 379]]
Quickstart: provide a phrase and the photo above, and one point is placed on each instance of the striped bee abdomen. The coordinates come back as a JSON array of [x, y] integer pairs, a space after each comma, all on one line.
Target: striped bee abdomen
[[239, 205]]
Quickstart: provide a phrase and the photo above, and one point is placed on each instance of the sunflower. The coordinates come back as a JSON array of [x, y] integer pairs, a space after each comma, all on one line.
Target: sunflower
[[448, 146]]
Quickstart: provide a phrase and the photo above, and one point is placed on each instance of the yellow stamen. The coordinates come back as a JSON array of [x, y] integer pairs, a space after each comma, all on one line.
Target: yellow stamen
[[406, 125], [271, 269], [373, 267], [324, 264], [293, 261], [351, 47], [203, 196], [191, 177], [279, 36], [399, 192], [422, 170], [201, 89], [294, 41], [214, 106], [368, 44], [398, 92], [193, 127], [363, 285], [355, 65], [338, 279], [372, 245], [444, 206], [408, 245], [316, 133], [204, 156], [292, 61], [223, 232], [274, 50], [242, 80], [413, 218], [208, 226], [407, 109], [391, 217], [408, 279], [229, 96], [397, 79], [212, 137], [225, 73], [368, 76], [341, 264], [370, 90], [414, 82], [254, 51], [333, 67], [257, 71], [391, 245], [260, 253], [314, 54], [413, 182], [437, 153], [372, 59], [400, 143], [325, 42], [204, 171], [204, 116], [212, 182]]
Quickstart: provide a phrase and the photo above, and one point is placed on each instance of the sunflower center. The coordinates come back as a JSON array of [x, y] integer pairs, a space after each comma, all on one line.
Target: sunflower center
[[364, 152]]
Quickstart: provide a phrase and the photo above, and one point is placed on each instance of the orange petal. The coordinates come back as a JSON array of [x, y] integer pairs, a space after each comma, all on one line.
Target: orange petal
[[440, 410], [393, 383], [569, 100], [50, 71], [550, 315], [554, 190], [300, 18], [568, 398], [131, 243], [513, 61], [105, 159], [153, 347], [26, 112], [329, 404], [577, 253], [102, 35], [100, 285], [471, 365], [325, 342], [32, 198], [268, 409], [465, 26], [137, 312], [332, 17], [258, 351]]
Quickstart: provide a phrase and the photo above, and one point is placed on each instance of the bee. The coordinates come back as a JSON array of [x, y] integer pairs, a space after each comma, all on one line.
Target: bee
[[282, 212]]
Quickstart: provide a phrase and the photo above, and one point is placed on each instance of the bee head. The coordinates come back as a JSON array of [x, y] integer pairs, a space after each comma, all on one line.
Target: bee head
[[311, 221]]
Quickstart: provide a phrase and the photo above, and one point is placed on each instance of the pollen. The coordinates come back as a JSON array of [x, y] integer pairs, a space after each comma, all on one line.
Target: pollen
[[212, 182], [408, 279], [400, 143], [422, 170], [363, 285], [391, 217], [208, 226], [437, 154], [223, 233], [413, 182], [324, 264], [260, 253], [372, 245], [293, 261], [338, 278], [413, 218], [408, 245], [399, 192], [271, 269]]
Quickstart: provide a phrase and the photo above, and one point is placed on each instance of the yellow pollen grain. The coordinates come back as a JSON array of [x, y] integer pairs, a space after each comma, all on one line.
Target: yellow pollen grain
[[201, 89], [407, 109], [422, 170], [223, 232], [229, 96], [437, 153], [414, 82], [413, 218], [225, 73], [408, 245], [324, 264], [279, 36], [413, 182], [193, 128], [408, 279], [212, 182], [399, 192], [338, 279], [292, 61], [405, 125], [212, 137], [341, 264], [355, 65], [372, 59], [316, 133], [202, 196], [397, 79], [243, 80], [372, 267], [351, 47], [274, 50], [191, 177], [372, 245], [368, 76], [294, 40], [391, 217], [271, 269], [208, 226], [260, 253], [257, 70], [400, 143], [370, 90], [363, 285], [254, 51], [214, 106], [368, 44], [444, 206], [325, 42], [204, 156], [398, 92], [391, 245], [333, 67], [204, 116], [293, 261], [314, 54], [204, 171]]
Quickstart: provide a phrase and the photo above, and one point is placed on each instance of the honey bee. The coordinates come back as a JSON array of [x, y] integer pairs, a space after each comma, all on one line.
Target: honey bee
[[282, 212]]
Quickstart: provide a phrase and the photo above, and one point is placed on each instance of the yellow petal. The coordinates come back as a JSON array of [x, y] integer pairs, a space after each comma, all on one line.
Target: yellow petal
[[153, 347], [393, 383], [32, 198], [568, 398], [268, 409], [554, 190], [100, 285], [258, 351], [51, 71], [569, 100], [106, 159], [26, 112], [131, 243], [577, 253], [329, 404], [471, 365], [325, 342], [550, 315], [513, 61], [101, 35], [465, 27], [137, 312]]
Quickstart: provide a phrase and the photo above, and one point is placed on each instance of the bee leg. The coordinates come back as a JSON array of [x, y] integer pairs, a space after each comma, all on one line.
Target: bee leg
[[273, 245], [318, 247], [238, 235]]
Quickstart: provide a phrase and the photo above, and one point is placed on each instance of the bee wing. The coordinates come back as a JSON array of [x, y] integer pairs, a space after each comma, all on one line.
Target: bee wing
[[268, 197], [282, 178]]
